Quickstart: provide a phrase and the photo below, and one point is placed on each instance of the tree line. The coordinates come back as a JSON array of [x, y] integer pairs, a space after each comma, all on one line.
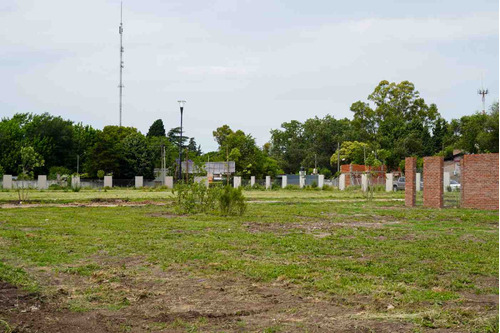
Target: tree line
[[393, 123], [66, 147]]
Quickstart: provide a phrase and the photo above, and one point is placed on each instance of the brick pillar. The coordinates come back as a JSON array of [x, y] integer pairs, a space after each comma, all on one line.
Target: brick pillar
[[480, 181], [433, 182], [410, 174]]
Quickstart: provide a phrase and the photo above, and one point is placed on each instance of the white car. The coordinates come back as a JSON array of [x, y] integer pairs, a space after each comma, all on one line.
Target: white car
[[454, 185]]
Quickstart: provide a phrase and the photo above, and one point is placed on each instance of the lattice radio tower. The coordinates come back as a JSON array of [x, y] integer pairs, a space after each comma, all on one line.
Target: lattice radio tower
[[120, 86]]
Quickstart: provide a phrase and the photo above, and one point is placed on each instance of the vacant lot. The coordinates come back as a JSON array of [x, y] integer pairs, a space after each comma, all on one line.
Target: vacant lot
[[296, 262]]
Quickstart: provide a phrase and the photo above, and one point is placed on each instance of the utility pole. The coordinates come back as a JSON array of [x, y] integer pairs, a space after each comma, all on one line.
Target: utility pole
[[227, 164], [364, 156], [77, 164], [338, 156], [315, 163], [120, 86], [163, 164], [187, 166]]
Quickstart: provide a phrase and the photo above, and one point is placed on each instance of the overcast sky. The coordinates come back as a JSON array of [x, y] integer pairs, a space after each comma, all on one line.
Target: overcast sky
[[249, 64]]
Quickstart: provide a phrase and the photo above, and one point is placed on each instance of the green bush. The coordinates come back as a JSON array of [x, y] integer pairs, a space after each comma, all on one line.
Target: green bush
[[197, 198], [55, 187], [258, 187], [53, 171], [232, 201]]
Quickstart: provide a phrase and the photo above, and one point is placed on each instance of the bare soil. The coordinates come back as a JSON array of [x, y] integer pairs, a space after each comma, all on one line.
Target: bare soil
[[175, 301]]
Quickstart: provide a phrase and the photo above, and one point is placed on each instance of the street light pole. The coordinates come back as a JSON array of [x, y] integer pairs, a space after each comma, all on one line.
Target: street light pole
[[181, 105]]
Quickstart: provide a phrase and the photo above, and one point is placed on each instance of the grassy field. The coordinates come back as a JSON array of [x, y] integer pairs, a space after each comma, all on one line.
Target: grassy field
[[153, 194], [298, 261]]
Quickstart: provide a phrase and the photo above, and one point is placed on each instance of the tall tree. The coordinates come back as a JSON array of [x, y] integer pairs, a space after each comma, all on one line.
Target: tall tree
[[157, 129], [107, 153]]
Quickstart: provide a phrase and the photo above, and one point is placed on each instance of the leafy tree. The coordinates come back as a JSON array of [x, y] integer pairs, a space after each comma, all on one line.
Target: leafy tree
[[288, 146], [477, 133], [30, 160], [174, 136], [157, 129], [107, 153], [400, 121], [352, 152], [242, 149], [52, 137], [221, 134], [310, 143], [138, 156], [193, 147]]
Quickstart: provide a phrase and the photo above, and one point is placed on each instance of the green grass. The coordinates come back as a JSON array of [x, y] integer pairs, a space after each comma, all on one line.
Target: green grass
[[149, 194], [415, 259]]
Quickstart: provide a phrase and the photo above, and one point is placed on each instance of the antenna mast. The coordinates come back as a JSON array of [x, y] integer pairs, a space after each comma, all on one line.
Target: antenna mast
[[120, 86], [483, 92]]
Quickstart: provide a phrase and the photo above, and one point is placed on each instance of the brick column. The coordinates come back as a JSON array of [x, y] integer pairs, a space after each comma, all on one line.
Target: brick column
[[433, 181], [410, 174], [480, 181]]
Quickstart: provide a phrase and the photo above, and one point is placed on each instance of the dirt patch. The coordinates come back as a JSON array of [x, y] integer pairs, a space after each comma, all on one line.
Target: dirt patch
[[109, 200], [175, 301], [320, 228]]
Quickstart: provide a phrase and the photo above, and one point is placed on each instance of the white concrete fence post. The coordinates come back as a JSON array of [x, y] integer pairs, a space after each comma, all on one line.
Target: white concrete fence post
[[252, 181], [139, 181], [284, 181], [389, 180], [236, 181], [446, 181], [75, 182], [364, 182], [108, 181], [321, 181], [418, 179], [168, 182], [268, 182], [342, 182], [302, 181], [42, 182], [7, 182]]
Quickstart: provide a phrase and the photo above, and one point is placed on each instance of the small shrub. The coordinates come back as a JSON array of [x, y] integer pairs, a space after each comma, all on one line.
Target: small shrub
[[258, 187], [197, 198], [275, 186], [232, 201]]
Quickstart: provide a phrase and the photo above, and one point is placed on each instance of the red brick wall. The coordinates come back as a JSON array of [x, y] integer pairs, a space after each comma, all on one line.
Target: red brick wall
[[480, 181], [410, 174], [433, 181], [355, 171]]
